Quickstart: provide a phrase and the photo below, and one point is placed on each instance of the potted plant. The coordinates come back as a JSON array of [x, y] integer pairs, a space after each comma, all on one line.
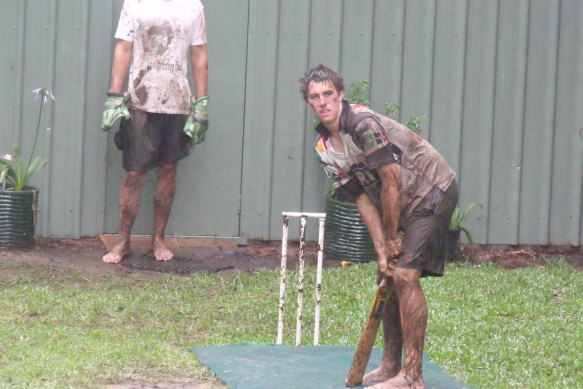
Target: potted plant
[[346, 237], [455, 229], [18, 200], [355, 95]]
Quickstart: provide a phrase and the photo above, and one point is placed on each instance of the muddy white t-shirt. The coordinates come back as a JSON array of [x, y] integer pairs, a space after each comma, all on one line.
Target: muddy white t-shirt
[[162, 32]]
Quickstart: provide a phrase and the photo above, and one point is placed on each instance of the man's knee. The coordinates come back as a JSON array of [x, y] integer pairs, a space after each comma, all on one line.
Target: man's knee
[[133, 178], [404, 278], [167, 169]]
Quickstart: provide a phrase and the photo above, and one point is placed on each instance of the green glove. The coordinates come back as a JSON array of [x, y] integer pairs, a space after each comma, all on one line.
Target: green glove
[[115, 107], [197, 122]]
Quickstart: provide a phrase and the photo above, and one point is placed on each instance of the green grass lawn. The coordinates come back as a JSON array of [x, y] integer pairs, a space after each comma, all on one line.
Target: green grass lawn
[[488, 327]]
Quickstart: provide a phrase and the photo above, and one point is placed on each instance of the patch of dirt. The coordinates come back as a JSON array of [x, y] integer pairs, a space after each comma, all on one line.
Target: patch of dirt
[[85, 255], [514, 257]]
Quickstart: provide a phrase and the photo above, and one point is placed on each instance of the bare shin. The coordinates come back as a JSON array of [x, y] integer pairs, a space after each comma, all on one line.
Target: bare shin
[[413, 313], [393, 338], [129, 202], [163, 199]]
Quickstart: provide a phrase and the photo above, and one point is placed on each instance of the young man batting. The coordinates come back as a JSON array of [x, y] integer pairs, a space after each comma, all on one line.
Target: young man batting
[[399, 183]]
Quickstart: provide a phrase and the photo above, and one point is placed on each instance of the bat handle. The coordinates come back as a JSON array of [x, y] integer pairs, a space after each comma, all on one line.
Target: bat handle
[[384, 281]]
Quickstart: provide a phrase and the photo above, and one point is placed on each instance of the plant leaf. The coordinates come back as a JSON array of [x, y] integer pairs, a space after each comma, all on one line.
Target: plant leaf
[[35, 165], [356, 93], [467, 233], [454, 221], [467, 210], [392, 109], [18, 173], [3, 174], [9, 174]]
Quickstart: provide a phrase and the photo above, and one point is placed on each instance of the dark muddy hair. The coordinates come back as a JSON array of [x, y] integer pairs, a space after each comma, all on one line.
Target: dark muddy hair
[[320, 73]]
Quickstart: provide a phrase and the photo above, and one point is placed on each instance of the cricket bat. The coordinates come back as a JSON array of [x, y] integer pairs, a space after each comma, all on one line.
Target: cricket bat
[[368, 336]]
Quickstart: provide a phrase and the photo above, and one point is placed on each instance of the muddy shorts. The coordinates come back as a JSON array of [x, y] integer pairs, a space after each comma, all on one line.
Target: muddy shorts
[[426, 232], [150, 138]]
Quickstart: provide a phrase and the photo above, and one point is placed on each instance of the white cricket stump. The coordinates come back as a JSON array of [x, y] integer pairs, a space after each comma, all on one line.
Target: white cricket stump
[[301, 267]]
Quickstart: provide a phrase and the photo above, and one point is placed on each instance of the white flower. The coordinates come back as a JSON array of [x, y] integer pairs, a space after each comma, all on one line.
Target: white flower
[[43, 93], [50, 94], [9, 157], [37, 92]]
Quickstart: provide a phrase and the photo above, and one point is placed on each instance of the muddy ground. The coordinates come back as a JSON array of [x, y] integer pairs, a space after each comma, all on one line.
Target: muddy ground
[[85, 255], [514, 257]]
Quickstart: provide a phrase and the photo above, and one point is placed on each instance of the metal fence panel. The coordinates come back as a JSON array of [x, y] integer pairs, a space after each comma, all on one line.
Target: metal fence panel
[[566, 198], [445, 118], [478, 113], [507, 137], [540, 100], [288, 150], [500, 91], [259, 123]]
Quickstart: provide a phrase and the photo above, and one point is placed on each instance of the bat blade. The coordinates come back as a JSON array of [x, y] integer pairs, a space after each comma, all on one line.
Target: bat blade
[[367, 338]]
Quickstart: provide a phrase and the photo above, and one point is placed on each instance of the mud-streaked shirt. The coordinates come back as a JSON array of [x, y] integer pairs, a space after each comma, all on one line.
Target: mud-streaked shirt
[[162, 32], [371, 141]]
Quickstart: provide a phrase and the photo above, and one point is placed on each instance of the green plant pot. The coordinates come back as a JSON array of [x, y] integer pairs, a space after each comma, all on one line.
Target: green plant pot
[[18, 218], [346, 237]]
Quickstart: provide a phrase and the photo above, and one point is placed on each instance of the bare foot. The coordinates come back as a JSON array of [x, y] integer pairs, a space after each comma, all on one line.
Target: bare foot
[[117, 253], [380, 374], [400, 381], [161, 252]]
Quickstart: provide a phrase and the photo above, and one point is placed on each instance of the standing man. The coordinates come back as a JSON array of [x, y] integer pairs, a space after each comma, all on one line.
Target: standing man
[[399, 183], [162, 121]]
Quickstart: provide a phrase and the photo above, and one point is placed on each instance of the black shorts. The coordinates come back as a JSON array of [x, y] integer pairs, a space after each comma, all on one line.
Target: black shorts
[[150, 138], [425, 235]]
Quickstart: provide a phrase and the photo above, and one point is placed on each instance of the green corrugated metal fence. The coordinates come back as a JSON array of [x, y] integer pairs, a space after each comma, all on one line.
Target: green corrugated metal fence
[[500, 83]]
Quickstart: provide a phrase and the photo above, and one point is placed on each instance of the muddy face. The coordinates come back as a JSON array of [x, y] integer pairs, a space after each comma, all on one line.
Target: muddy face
[[325, 101]]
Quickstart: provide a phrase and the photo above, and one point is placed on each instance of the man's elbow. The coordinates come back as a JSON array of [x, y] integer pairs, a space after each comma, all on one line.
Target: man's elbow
[[125, 46], [201, 67], [199, 56]]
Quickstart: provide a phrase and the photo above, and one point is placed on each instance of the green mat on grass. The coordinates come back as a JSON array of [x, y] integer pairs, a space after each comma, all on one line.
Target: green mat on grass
[[261, 366]]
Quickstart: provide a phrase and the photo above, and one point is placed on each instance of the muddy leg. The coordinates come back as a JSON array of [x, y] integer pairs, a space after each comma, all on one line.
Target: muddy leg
[[413, 312], [164, 197], [129, 203], [392, 342]]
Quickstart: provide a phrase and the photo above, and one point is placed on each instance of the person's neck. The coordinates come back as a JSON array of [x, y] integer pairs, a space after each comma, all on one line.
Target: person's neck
[[334, 127], [335, 137]]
